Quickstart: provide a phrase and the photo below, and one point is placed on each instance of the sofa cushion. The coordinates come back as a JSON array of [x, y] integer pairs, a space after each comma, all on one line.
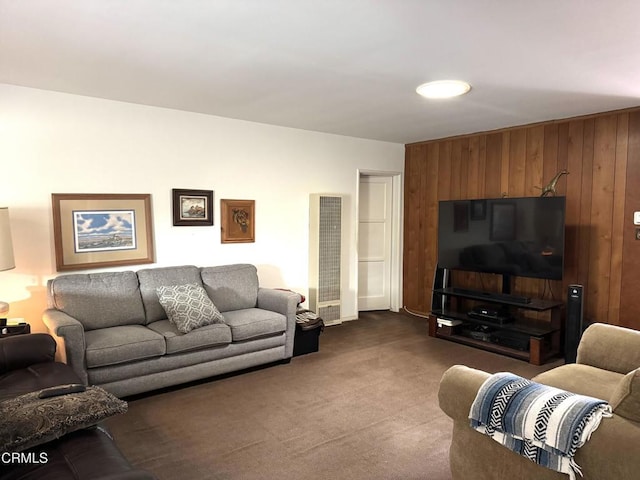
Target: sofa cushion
[[152, 278], [231, 287], [254, 323], [625, 399], [110, 346], [188, 307], [28, 421], [98, 300], [208, 336], [35, 377]]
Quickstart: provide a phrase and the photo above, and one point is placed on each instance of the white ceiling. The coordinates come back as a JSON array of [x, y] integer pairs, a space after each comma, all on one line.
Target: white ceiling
[[348, 67]]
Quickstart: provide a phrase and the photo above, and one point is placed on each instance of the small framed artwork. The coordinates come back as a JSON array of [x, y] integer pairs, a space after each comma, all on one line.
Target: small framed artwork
[[101, 230], [503, 221], [478, 209], [192, 207], [460, 216], [238, 221]]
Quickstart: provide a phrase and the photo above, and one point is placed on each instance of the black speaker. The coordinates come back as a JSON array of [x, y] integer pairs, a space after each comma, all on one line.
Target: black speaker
[[574, 327], [440, 280]]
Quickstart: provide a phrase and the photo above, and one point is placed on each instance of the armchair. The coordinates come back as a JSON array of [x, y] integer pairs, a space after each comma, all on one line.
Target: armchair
[[27, 365], [607, 367]]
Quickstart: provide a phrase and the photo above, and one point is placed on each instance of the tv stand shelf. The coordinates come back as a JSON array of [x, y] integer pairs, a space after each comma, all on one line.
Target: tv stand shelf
[[537, 304], [535, 341]]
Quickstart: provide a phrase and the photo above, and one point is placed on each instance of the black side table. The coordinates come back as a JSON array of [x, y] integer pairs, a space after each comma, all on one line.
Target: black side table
[[12, 329], [308, 329]]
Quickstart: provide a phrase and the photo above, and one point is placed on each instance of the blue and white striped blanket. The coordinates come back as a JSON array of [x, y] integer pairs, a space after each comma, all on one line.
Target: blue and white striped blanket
[[544, 424]]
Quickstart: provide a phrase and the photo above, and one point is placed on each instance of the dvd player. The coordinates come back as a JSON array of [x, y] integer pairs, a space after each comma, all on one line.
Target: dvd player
[[491, 313], [515, 340]]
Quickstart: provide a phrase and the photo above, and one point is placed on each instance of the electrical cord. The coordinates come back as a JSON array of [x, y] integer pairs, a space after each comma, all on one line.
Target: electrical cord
[[415, 314]]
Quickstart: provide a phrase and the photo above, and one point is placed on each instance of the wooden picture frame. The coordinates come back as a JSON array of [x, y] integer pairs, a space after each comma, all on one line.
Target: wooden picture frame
[[478, 210], [237, 218], [192, 207], [101, 230], [461, 216], [503, 222]]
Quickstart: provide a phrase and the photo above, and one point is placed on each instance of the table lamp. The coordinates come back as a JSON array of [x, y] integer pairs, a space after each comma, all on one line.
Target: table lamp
[[6, 253]]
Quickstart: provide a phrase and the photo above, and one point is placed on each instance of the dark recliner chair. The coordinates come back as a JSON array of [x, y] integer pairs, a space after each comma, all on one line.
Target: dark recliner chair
[[27, 365]]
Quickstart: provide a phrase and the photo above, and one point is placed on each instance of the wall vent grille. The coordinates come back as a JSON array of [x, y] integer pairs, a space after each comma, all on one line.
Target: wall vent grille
[[330, 238], [330, 314], [325, 256]]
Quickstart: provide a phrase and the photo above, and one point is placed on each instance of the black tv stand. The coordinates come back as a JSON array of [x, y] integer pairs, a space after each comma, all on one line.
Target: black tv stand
[[528, 339]]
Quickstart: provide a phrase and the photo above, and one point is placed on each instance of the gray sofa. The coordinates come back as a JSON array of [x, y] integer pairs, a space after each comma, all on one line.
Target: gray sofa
[[111, 328]]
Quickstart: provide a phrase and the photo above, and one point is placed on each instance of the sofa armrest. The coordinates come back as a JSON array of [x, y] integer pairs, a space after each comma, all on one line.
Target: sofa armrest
[[286, 303], [69, 336], [610, 347], [281, 301], [22, 351], [458, 388]]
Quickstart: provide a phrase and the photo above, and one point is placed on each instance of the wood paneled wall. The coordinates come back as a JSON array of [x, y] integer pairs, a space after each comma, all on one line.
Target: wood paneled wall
[[601, 153]]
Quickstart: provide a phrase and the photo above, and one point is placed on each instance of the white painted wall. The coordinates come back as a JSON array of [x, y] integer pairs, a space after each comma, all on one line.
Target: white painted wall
[[59, 143]]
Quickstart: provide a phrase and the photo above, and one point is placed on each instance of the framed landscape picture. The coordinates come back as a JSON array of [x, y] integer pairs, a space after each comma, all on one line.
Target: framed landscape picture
[[238, 221], [101, 230], [192, 207]]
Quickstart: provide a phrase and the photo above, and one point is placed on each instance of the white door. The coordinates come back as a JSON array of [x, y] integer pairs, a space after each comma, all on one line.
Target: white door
[[374, 243]]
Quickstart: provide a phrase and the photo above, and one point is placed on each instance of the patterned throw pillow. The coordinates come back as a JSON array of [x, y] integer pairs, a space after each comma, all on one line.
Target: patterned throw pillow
[[188, 306], [28, 421]]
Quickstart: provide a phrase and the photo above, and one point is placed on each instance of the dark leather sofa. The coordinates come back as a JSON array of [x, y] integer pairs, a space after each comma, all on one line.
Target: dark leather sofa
[[26, 365]]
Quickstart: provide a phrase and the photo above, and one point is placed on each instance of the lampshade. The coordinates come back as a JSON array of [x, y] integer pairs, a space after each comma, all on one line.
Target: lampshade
[[6, 245]]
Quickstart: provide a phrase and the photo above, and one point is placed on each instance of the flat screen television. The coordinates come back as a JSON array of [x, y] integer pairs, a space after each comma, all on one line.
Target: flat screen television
[[510, 236]]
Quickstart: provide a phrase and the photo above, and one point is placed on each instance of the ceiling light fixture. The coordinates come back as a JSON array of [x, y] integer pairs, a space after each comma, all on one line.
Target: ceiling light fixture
[[443, 89]]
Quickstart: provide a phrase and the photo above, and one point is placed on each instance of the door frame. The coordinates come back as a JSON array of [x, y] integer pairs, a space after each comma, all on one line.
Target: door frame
[[395, 287]]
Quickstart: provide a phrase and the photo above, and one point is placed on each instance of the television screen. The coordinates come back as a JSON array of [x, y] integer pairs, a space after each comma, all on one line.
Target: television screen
[[510, 236]]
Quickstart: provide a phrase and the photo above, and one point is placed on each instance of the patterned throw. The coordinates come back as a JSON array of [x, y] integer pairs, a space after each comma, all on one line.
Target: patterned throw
[[28, 421], [544, 424]]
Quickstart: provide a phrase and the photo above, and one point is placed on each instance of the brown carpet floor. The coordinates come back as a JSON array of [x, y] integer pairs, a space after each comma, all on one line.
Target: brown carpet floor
[[363, 407]]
